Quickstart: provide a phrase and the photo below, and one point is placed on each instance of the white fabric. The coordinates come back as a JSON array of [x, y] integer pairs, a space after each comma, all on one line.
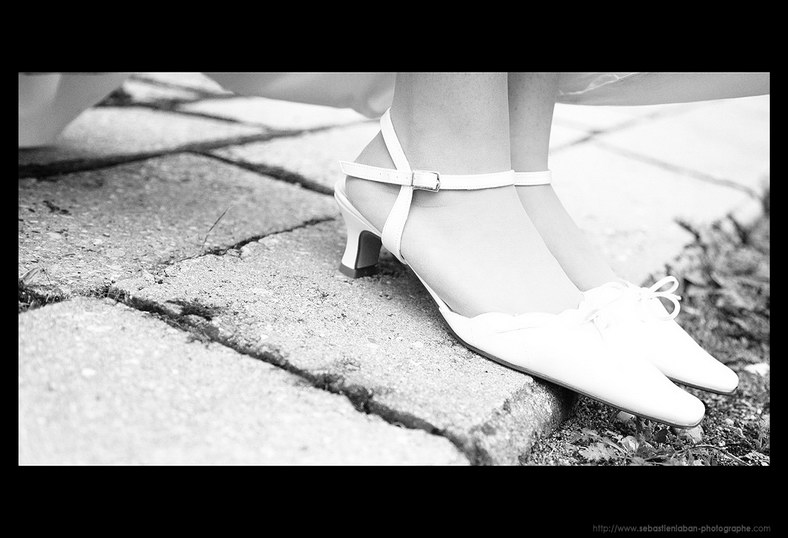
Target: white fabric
[[372, 93], [48, 102], [617, 89]]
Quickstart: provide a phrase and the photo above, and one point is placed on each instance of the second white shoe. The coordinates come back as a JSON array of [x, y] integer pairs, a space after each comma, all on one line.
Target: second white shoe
[[634, 318]]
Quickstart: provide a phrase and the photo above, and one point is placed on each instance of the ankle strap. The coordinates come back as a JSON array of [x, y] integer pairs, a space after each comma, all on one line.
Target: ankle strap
[[428, 180], [410, 180], [533, 178]]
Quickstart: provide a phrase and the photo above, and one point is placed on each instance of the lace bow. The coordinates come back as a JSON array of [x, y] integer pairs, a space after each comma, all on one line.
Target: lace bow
[[640, 296], [656, 291]]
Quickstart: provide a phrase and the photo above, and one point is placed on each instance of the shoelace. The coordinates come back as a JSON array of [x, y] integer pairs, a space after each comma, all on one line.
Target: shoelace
[[655, 292], [599, 313]]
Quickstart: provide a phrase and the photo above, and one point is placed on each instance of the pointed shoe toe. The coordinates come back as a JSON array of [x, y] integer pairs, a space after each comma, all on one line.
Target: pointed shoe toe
[[688, 411], [692, 365], [569, 351], [657, 397], [634, 318]]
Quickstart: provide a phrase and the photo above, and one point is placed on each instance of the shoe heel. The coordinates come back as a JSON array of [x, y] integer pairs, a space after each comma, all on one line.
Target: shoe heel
[[362, 250]]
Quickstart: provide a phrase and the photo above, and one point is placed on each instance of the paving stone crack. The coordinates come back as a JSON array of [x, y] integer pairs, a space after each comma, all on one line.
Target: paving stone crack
[[120, 99], [29, 298], [196, 319], [593, 134], [687, 172], [274, 172], [221, 251], [208, 116], [58, 168], [362, 399], [175, 106]]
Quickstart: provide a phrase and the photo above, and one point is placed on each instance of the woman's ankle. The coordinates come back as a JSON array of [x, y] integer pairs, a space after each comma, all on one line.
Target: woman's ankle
[[579, 258], [457, 239], [450, 147]]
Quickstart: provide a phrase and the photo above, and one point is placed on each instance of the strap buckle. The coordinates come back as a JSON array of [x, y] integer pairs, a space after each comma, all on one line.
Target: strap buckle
[[425, 180]]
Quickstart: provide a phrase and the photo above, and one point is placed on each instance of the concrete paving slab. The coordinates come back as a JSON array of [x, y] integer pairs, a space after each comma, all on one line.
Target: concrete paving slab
[[726, 139], [562, 136], [91, 228], [379, 339], [275, 114], [605, 118], [634, 206], [112, 385], [104, 132], [316, 156]]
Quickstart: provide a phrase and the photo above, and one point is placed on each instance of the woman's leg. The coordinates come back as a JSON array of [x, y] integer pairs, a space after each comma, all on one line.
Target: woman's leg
[[477, 249], [531, 103]]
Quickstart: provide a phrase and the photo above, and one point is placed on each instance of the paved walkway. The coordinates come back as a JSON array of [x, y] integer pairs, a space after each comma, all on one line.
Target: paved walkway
[[187, 245]]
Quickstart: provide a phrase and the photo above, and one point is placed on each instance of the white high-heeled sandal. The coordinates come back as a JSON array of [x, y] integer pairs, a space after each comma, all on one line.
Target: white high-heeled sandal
[[564, 348], [633, 318]]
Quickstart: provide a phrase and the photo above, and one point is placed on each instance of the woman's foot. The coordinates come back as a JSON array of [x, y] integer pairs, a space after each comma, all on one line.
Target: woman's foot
[[580, 260], [477, 250]]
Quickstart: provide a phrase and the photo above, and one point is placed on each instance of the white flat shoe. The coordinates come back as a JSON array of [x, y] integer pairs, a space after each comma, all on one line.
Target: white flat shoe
[[566, 348], [634, 319]]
